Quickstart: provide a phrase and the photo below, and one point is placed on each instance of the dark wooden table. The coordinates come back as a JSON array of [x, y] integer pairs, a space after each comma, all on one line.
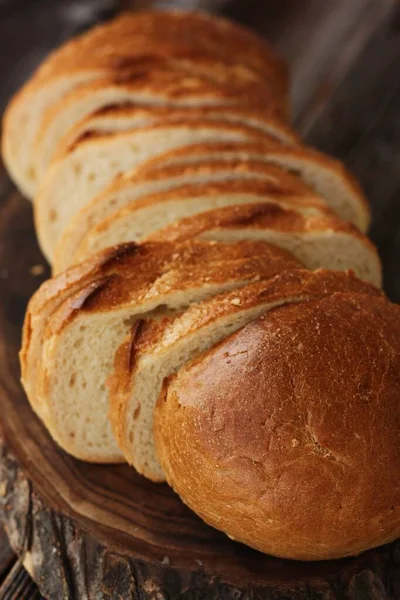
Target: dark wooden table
[[345, 60]]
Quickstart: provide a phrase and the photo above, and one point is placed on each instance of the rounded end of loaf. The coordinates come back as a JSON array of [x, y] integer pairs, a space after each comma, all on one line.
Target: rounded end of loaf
[[285, 435]]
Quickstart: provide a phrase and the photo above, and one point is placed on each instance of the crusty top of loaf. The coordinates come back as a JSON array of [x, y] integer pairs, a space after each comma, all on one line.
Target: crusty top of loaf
[[132, 273], [305, 401], [164, 33], [291, 284], [115, 47]]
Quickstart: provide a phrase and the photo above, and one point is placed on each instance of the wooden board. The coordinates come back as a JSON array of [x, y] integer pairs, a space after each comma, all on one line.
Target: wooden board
[[95, 531], [89, 531]]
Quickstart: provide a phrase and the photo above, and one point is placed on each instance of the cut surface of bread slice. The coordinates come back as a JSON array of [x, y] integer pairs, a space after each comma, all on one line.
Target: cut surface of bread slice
[[130, 187], [329, 177], [46, 301], [80, 327], [75, 179], [118, 47], [145, 216], [317, 241], [152, 353], [114, 119], [254, 433], [156, 88]]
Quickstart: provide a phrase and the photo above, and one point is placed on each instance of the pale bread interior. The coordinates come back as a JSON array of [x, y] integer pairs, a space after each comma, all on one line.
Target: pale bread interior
[[126, 189], [118, 119], [325, 175], [24, 122], [73, 181], [77, 358], [136, 223], [88, 99]]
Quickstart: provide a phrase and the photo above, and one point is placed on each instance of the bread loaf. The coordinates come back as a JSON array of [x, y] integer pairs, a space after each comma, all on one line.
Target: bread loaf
[[285, 435], [203, 343]]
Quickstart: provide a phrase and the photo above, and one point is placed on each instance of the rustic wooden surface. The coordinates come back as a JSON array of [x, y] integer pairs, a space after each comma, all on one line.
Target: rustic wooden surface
[[345, 58]]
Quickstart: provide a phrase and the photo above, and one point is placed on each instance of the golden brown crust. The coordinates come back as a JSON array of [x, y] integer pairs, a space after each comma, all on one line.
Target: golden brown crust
[[57, 289], [123, 112], [309, 465], [129, 45], [272, 286], [168, 33], [131, 272]]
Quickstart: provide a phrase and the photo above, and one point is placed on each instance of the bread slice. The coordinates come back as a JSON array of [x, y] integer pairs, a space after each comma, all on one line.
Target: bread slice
[[47, 300], [285, 435], [317, 241], [145, 216], [150, 354], [75, 179], [327, 176], [72, 336], [132, 186], [118, 47], [114, 119]]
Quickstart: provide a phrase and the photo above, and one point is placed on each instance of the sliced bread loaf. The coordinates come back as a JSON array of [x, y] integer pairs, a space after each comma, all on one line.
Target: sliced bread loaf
[[151, 353], [130, 187], [73, 180], [71, 334]]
